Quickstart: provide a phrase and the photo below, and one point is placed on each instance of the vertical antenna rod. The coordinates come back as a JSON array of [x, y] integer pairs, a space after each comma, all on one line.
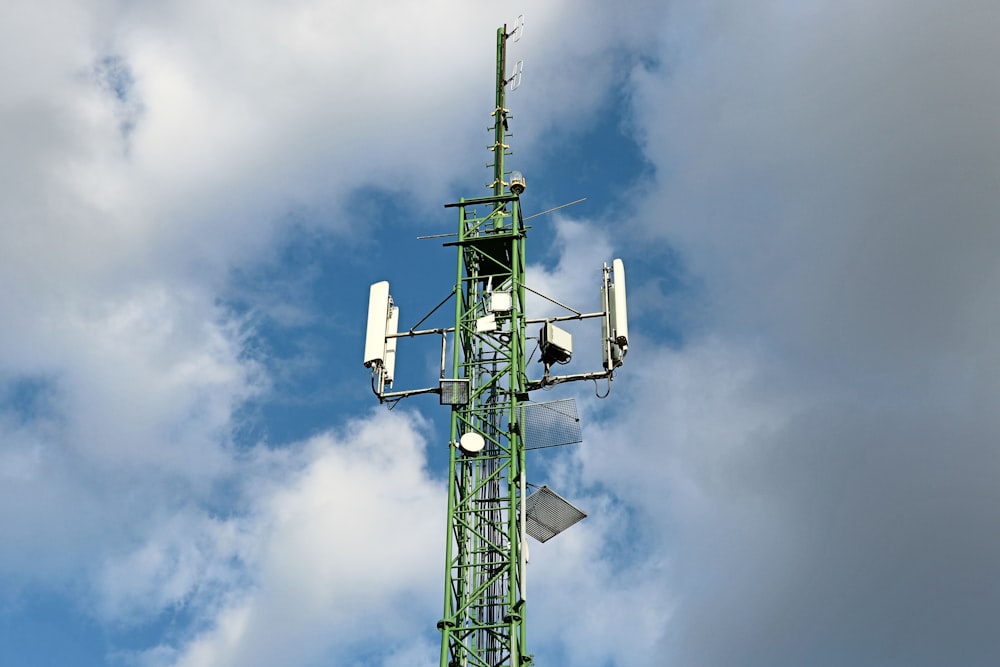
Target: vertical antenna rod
[[500, 114]]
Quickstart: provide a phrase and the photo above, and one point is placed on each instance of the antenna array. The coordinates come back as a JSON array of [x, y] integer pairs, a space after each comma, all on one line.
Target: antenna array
[[493, 422]]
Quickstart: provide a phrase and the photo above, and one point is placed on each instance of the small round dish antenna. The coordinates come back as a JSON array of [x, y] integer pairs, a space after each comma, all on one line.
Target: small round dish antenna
[[471, 443]]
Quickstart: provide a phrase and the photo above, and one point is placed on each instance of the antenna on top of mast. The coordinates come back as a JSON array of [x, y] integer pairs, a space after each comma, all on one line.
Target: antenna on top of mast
[[501, 114], [518, 30]]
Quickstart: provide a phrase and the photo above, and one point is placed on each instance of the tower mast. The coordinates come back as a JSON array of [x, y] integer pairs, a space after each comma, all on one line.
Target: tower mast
[[484, 602], [490, 513]]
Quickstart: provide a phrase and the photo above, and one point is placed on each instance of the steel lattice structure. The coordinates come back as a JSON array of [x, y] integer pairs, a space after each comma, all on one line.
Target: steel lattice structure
[[483, 621], [490, 513]]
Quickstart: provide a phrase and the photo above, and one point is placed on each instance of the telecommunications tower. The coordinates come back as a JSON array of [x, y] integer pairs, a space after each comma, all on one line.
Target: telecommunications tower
[[493, 420]]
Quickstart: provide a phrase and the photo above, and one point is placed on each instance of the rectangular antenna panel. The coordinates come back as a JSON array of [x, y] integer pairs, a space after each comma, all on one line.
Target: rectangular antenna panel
[[391, 327], [499, 302], [486, 323], [606, 344], [550, 424], [619, 306], [378, 317], [614, 325], [555, 343], [549, 514]]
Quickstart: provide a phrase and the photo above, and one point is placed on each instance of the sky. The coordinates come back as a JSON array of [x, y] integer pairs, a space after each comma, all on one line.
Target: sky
[[796, 465]]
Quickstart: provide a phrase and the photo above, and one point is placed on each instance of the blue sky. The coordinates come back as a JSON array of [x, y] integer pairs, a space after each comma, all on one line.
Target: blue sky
[[797, 464]]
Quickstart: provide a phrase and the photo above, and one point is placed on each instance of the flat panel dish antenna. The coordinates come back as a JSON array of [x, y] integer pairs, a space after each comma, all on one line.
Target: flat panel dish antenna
[[454, 391], [549, 514], [550, 424]]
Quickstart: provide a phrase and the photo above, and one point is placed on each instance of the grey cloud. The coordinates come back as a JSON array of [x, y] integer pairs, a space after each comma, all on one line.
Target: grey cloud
[[846, 537], [830, 174], [835, 174]]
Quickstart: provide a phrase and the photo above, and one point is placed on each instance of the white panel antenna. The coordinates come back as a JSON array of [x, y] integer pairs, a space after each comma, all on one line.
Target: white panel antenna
[[380, 341], [379, 304], [609, 362], [619, 306], [391, 327], [499, 302], [614, 325]]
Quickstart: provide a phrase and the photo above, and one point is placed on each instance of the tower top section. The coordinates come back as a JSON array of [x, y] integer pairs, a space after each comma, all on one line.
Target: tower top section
[[501, 114]]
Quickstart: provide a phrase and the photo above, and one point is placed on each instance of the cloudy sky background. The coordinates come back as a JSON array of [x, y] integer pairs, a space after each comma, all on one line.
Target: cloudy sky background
[[797, 465]]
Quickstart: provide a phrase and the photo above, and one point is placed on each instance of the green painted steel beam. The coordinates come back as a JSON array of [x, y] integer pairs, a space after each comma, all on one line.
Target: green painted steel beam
[[483, 617]]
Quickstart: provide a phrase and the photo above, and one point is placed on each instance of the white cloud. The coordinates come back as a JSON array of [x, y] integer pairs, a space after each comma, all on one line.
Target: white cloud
[[190, 559], [122, 409], [414, 654], [575, 280], [689, 415], [335, 550], [155, 380], [596, 593]]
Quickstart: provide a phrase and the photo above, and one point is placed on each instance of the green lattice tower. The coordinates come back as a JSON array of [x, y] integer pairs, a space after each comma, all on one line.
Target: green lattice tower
[[483, 623]]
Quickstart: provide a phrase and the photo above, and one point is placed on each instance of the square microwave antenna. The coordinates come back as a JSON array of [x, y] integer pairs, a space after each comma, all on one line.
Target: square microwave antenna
[[556, 344], [549, 514], [486, 323], [499, 302], [454, 391], [550, 424]]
